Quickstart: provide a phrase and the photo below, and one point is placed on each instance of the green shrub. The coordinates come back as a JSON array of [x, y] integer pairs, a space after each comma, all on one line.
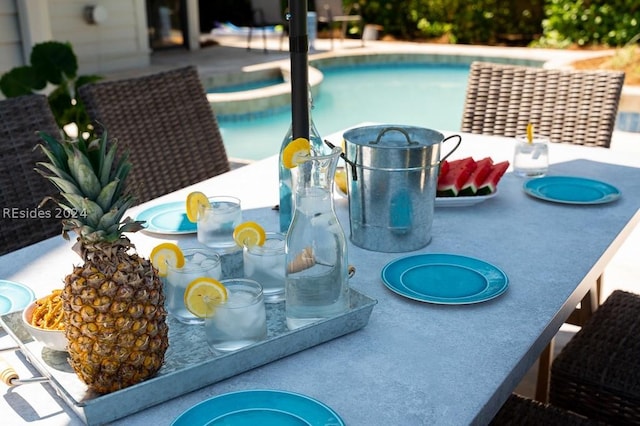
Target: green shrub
[[56, 64], [465, 21], [590, 22]]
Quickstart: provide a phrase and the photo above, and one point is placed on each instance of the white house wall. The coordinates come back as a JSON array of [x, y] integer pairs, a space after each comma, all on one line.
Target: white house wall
[[119, 43], [10, 39]]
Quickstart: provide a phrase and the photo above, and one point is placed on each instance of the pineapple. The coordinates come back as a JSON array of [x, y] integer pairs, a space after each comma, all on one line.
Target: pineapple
[[113, 303]]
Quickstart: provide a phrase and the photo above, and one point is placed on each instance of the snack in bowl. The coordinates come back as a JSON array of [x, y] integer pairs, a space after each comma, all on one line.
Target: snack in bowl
[[48, 312], [43, 319]]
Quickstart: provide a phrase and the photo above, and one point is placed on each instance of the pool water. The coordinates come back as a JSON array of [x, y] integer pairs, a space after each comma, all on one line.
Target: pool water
[[407, 94]]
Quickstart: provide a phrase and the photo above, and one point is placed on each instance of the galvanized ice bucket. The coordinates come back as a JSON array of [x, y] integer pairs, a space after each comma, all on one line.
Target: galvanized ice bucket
[[392, 173]]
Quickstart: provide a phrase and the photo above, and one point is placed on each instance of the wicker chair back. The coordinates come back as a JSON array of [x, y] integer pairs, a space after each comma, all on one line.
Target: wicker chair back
[[21, 187], [571, 106], [166, 123]]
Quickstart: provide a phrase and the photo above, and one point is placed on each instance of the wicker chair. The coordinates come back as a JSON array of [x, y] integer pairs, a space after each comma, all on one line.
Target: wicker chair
[[521, 411], [568, 106], [21, 188], [166, 123], [577, 107], [597, 374]]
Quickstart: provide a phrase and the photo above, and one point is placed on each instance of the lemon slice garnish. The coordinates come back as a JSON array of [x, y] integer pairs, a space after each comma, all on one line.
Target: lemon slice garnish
[[340, 179], [202, 296], [249, 234], [196, 202], [296, 152], [166, 254], [530, 133]]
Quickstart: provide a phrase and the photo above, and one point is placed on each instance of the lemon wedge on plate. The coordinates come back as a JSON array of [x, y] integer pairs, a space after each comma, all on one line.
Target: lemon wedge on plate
[[203, 295], [296, 152], [166, 254], [196, 203], [340, 178], [249, 234]]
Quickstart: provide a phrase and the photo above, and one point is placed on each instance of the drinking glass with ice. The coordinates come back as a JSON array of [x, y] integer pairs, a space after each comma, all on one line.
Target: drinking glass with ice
[[266, 264], [531, 156], [241, 320], [197, 263], [217, 221]]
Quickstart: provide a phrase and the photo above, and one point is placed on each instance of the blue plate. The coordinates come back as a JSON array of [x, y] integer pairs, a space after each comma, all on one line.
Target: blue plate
[[14, 296], [259, 407], [571, 190], [446, 279], [168, 218]]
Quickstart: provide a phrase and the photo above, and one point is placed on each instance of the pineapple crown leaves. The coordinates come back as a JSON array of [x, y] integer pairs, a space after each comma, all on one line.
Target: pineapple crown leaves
[[91, 179]]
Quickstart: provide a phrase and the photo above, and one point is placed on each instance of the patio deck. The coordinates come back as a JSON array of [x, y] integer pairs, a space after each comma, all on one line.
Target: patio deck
[[229, 54]]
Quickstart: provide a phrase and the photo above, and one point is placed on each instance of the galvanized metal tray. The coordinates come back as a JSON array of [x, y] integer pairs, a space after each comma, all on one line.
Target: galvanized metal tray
[[189, 363]]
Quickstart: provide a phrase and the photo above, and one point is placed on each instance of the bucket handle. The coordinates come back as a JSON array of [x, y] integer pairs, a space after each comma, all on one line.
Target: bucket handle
[[392, 128], [354, 173], [454, 148]]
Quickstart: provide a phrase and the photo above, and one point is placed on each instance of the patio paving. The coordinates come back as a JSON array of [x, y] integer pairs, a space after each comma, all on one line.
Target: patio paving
[[230, 54]]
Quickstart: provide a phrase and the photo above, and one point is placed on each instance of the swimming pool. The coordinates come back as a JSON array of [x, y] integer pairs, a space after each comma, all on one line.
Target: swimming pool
[[410, 94]]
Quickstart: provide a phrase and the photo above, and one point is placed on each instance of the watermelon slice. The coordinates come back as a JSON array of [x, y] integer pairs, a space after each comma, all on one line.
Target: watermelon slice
[[450, 184], [483, 167], [490, 183], [467, 162], [444, 168]]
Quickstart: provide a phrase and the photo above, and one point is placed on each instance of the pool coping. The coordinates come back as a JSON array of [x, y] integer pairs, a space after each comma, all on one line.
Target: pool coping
[[255, 102]]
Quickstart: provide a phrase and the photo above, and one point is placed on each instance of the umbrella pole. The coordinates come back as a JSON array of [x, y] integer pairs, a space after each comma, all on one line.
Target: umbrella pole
[[299, 53]]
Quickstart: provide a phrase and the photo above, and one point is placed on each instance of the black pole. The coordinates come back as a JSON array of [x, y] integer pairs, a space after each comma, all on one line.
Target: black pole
[[299, 52]]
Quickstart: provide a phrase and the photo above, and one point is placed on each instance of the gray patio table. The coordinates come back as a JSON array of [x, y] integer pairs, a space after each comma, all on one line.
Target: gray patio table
[[414, 363]]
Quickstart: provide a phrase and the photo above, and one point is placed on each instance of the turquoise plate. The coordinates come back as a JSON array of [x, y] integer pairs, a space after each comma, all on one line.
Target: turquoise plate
[[571, 190], [259, 407], [446, 279], [14, 296], [168, 218]]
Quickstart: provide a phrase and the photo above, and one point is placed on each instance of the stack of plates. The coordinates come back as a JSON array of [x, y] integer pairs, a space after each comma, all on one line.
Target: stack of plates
[[14, 296], [167, 218]]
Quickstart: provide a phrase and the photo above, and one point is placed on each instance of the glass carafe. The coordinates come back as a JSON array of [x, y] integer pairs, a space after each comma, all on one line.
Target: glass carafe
[[288, 177], [316, 277]]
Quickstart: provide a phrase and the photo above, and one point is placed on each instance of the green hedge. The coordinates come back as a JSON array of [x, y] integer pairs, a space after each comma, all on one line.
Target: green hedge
[[549, 23], [590, 22], [464, 21]]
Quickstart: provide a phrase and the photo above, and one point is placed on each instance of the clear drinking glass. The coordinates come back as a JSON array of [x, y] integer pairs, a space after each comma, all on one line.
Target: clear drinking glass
[[197, 263], [217, 222], [265, 264], [241, 320], [531, 159]]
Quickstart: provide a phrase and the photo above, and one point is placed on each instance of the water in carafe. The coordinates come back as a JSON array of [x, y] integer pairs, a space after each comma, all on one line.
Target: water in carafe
[[316, 283]]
